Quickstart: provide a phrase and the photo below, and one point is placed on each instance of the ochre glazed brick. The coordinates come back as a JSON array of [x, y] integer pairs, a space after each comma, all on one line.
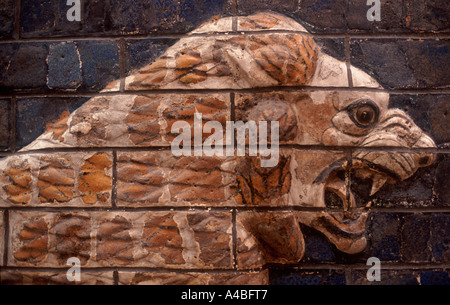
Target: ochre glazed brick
[[33, 239], [18, 190], [95, 182], [159, 178], [56, 180], [20, 277], [176, 240], [194, 278], [61, 179], [162, 235]]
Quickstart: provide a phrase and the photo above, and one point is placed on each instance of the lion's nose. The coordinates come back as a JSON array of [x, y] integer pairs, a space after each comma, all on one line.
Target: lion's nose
[[410, 135], [426, 158]]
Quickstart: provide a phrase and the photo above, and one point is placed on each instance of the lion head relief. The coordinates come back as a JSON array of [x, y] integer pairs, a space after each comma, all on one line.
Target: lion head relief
[[334, 124]]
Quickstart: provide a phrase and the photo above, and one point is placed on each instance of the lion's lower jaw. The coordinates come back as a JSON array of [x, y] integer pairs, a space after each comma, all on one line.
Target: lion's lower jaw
[[348, 235]]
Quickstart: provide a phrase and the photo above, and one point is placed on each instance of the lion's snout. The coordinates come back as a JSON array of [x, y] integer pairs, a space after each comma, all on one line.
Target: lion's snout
[[397, 129]]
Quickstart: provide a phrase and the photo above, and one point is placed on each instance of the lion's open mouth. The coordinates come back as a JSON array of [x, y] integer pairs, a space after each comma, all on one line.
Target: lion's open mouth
[[366, 180], [346, 201]]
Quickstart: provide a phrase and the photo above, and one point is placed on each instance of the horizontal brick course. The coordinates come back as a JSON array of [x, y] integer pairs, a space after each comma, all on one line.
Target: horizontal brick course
[[104, 239]]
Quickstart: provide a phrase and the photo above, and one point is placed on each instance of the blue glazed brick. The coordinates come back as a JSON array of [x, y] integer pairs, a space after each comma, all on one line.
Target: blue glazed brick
[[400, 64], [64, 27], [323, 15], [5, 123], [332, 47], [427, 15], [429, 111], [247, 7], [416, 191], [7, 18], [163, 16], [384, 236], [97, 17], [190, 11], [415, 237], [387, 277], [307, 277], [48, 17], [37, 17], [64, 66], [317, 247], [442, 177], [141, 52], [34, 113], [392, 19], [100, 63], [440, 238], [23, 66], [435, 277]]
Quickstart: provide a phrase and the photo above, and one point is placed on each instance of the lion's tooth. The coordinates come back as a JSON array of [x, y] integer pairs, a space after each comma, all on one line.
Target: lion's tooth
[[377, 183]]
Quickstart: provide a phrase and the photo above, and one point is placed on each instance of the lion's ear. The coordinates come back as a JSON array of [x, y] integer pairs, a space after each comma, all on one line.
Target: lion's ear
[[232, 63], [289, 59]]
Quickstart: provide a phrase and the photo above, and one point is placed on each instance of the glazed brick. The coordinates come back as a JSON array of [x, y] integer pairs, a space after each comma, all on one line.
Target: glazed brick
[[388, 277], [416, 191], [38, 67], [415, 234], [34, 115], [403, 277], [146, 16], [193, 278], [307, 277], [317, 247], [404, 64], [333, 47], [20, 277], [100, 61], [248, 7], [177, 240], [7, 19], [36, 16], [429, 111], [64, 66], [113, 17], [23, 66], [5, 123], [64, 179], [427, 16], [2, 239], [440, 237], [141, 52], [441, 180], [427, 187], [392, 19], [435, 277], [158, 179], [341, 16], [323, 16], [384, 236]]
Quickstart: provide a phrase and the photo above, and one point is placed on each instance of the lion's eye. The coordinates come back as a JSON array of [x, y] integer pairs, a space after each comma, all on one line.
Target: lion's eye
[[364, 113]]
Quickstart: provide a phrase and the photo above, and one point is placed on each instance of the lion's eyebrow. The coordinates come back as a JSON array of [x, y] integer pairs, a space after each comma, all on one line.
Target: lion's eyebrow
[[347, 98]]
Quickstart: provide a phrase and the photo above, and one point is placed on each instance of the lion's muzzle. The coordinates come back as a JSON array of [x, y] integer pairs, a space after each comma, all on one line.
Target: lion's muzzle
[[397, 129]]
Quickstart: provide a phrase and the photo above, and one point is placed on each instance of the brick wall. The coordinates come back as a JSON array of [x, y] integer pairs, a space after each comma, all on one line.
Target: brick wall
[[50, 66]]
